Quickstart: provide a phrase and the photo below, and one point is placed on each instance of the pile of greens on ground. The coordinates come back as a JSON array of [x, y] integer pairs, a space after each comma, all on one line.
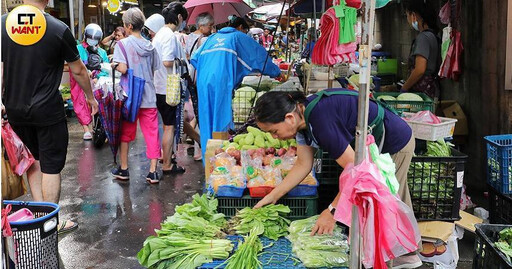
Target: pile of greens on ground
[[268, 221], [433, 182], [319, 250], [504, 243], [189, 238]]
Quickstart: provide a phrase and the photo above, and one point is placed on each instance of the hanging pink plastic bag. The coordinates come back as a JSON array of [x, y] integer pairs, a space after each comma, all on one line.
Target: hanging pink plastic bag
[[444, 13], [425, 117], [388, 226], [19, 156]]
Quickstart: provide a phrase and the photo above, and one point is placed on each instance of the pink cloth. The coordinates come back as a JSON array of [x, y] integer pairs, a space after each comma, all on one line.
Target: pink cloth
[[327, 50], [148, 119], [189, 111], [80, 106], [388, 227]]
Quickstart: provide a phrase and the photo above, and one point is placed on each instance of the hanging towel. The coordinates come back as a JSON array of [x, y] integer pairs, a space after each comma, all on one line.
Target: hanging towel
[[348, 19]]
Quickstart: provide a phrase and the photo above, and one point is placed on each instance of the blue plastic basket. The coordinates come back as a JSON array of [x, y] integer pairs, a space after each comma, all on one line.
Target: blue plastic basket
[[272, 257], [230, 191], [34, 241], [499, 162], [305, 190]]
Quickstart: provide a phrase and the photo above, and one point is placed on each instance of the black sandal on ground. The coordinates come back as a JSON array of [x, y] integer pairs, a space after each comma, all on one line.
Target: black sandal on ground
[[174, 170]]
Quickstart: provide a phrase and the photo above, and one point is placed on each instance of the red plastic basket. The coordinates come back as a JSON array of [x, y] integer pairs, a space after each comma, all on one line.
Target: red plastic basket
[[260, 192]]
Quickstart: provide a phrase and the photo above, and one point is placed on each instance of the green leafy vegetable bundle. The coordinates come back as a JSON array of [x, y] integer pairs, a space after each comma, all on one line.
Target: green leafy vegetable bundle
[[178, 251], [504, 243], [319, 250], [268, 221], [188, 238], [246, 255]]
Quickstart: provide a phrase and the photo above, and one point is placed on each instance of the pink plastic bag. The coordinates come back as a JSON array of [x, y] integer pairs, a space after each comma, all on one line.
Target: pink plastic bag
[[19, 156], [388, 226], [444, 13], [426, 117]]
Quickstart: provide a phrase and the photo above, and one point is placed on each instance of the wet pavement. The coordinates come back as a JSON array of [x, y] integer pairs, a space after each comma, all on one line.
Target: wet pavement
[[115, 217]]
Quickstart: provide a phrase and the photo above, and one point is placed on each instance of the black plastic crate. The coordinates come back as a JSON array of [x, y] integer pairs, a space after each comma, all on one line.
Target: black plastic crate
[[500, 206], [301, 207], [34, 241], [435, 185], [327, 170], [485, 255]]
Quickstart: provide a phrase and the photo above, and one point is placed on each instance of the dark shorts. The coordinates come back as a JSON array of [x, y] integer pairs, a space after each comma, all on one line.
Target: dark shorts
[[48, 144], [167, 112]]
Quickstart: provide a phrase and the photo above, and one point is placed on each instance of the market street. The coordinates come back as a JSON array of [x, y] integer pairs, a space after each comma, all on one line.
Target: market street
[[115, 217]]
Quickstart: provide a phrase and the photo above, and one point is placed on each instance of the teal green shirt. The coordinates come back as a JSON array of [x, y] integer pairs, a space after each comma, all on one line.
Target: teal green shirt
[[84, 55]]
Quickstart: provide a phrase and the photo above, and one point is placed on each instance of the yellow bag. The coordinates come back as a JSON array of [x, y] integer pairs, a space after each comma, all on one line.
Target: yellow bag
[[173, 89], [12, 184]]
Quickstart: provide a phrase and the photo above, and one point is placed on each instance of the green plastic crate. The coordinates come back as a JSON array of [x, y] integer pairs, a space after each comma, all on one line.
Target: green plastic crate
[[387, 66], [408, 106], [327, 170], [301, 207]]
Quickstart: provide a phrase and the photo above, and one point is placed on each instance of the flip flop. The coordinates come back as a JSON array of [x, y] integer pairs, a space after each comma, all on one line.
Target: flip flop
[[174, 170], [62, 228]]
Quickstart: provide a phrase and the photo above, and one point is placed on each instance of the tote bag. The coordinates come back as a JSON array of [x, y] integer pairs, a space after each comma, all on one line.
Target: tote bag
[[173, 88], [133, 86]]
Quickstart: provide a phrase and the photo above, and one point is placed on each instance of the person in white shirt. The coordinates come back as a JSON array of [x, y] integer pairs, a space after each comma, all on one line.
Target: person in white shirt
[[168, 47]]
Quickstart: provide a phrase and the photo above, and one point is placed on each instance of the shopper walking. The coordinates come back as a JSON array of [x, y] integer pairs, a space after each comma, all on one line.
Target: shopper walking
[[34, 106], [138, 54], [425, 56], [169, 49], [331, 127], [92, 56]]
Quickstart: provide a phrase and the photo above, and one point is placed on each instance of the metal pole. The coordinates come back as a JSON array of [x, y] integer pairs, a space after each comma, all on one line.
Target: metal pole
[[314, 18], [72, 18], [365, 52], [80, 18]]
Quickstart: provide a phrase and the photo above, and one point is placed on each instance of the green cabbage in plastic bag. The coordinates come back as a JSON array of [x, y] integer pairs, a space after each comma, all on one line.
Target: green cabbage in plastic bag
[[319, 250]]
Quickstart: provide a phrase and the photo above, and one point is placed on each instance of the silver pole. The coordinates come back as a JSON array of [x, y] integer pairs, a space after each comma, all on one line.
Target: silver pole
[[80, 18], [314, 18], [365, 52], [72, 17]]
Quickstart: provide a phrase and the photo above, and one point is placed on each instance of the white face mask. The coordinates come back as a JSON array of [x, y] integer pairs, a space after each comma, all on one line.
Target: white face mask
[[91, 42]]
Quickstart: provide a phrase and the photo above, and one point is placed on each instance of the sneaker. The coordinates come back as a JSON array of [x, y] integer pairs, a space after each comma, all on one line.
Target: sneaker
[[121, 174], [152, 178], [87, 136], [407, 261]]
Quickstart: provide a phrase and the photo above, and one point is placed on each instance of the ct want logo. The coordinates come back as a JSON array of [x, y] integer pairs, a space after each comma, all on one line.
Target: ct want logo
[[26, 25]]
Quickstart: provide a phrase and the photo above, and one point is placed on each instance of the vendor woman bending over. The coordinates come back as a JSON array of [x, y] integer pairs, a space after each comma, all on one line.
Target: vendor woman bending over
[[332, 125]]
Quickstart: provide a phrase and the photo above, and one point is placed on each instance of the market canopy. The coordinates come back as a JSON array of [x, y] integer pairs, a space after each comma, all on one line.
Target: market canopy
[[268, 12]]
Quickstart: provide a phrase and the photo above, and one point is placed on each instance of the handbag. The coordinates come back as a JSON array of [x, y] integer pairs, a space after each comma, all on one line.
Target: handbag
[[18, 154], [133, 86], [173, 87]]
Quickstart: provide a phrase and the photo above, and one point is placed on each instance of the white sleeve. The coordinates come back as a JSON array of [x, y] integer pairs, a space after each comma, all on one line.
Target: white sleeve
[[169, 49]]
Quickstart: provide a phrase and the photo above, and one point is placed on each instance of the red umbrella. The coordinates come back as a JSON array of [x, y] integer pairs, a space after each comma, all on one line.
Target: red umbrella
[[219, 9]]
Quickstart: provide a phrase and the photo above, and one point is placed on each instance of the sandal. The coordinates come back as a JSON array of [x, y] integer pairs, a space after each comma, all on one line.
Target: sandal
[[62, 228], [174, 170]]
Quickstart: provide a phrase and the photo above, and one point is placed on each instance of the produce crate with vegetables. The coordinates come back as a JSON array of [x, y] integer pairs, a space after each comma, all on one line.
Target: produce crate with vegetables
[[500, 207], [492, 246], [435, 182], [300, 207], [406, 102], [499, 162]]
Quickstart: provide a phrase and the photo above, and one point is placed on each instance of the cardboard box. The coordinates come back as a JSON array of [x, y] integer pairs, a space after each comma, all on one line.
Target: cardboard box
[[220, 135], [452, 109], [211, 146]]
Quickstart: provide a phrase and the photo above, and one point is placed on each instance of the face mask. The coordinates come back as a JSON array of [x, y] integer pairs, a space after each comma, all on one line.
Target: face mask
[[182, 26], [91, 42], [415, 25]]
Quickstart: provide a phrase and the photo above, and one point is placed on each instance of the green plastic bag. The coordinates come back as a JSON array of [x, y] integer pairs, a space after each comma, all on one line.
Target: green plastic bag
[[386, 167]]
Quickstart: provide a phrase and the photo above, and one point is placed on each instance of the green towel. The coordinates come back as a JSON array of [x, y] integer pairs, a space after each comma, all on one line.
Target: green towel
[[348, 18]]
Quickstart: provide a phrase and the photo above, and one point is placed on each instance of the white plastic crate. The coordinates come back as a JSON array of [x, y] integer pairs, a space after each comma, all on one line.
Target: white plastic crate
[[431, 132]]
